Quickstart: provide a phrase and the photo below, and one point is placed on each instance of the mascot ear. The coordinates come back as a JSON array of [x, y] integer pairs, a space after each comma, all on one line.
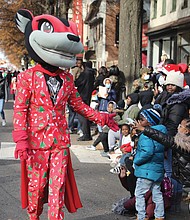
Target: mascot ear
[[23, 16]]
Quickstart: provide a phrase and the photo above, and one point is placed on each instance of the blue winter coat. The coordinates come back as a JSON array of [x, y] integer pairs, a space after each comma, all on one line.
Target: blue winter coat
[[149, 158]]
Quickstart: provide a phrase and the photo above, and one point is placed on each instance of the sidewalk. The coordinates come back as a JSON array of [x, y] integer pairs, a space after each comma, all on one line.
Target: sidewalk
[[78, 148]]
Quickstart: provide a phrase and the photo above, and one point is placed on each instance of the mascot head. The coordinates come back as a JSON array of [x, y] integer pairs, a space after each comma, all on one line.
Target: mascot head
[[49, 40]]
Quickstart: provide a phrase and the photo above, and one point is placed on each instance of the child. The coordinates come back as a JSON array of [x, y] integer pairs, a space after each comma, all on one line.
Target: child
[[180, 154], [149, 166], [107, 94], [125, 148], [103, 136]]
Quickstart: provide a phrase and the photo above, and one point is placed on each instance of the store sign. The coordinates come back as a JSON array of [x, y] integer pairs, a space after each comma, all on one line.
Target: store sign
[[144, 37], [77, 17]]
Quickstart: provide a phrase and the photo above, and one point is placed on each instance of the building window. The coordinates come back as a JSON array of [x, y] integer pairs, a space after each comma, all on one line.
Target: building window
[[184, 48], [163, 7], [174, 4], [155, 5], [185, 4]]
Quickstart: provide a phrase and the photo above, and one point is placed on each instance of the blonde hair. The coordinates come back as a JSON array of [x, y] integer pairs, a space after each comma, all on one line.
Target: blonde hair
[[164, 57]]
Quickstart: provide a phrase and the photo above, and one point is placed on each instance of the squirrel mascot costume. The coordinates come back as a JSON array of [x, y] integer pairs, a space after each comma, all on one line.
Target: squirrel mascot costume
[[40, 128]]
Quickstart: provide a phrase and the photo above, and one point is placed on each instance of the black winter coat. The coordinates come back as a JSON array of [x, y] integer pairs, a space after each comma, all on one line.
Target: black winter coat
[[99, 81], [175, 109], [180, 145], [85, 84]]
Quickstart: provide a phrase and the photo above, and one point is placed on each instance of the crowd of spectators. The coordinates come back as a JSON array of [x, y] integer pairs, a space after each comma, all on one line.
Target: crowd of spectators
[[139, 153]]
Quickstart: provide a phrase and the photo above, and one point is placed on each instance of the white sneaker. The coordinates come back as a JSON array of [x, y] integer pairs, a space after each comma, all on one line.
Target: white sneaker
[[80, 133], [3, 122], [91, 148], [115, 170]]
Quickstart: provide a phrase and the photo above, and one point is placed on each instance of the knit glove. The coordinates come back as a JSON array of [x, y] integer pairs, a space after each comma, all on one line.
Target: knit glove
[[22, 149], [107, 119]]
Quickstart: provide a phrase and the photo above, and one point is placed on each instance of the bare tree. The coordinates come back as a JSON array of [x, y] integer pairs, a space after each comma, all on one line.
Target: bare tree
[[130, 39], [12, 40]]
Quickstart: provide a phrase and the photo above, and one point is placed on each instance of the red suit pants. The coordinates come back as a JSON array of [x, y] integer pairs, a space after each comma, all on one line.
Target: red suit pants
[[47, 167]]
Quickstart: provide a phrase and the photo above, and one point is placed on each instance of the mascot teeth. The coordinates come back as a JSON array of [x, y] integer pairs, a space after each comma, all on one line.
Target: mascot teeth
[[66, 55]]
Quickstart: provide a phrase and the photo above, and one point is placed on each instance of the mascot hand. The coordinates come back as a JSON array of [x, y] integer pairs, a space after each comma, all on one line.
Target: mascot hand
[[108, 120], [22, 149]]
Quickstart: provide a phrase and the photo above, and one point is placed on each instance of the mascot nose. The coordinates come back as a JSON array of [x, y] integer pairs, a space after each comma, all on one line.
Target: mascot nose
[[73, 37]]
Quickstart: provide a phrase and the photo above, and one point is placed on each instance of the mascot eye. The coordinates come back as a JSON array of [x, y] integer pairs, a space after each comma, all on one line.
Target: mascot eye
[[46, 27]]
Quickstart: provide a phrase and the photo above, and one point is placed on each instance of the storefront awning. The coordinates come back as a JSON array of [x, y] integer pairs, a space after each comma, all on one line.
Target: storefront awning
[[180, 23]]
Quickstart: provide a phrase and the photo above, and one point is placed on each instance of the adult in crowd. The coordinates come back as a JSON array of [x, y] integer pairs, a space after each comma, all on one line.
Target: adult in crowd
[[77, 69], [187, 75], [118, 80], [85, 84], [3, 97], [175, 108], [163, 59], [184, 69], [143, 82], [72, 118], [102, 74]]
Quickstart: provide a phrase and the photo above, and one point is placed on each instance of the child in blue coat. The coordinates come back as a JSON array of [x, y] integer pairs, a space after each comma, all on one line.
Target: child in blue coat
[[149, 166]]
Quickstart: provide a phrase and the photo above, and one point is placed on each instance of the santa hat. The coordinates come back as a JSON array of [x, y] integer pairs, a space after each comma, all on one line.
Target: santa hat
[[170, 67], [151, 115], [174, 75], [183, 68]]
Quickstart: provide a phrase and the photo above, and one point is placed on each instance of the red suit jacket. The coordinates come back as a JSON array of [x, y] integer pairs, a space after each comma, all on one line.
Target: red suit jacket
[[46, 123]]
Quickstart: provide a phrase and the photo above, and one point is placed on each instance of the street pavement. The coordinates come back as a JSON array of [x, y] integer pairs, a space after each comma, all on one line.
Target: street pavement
[[98, 188]]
